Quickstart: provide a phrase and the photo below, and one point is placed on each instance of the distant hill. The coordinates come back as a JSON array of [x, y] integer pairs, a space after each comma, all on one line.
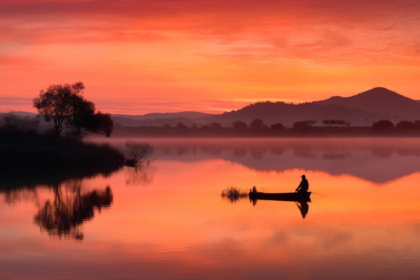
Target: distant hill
[[381, 101], [188, 114], [360, 110], [273, 112], [160, 119], [24, 114]]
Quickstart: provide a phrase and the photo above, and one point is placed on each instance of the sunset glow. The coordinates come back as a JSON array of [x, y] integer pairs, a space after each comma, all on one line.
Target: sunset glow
[[141, 56]]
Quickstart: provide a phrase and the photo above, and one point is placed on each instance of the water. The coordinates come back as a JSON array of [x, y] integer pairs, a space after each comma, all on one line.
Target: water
[[168, 221]]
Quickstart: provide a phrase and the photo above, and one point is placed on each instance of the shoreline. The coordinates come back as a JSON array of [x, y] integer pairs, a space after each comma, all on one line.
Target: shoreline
[[313, 132]]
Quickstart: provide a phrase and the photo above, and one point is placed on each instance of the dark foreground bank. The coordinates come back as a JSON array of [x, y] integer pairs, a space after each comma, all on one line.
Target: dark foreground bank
[[45, 156]]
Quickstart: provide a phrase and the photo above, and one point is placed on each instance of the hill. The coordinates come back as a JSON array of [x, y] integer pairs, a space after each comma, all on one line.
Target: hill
[[273, 112], [361, 109], [381, 101]]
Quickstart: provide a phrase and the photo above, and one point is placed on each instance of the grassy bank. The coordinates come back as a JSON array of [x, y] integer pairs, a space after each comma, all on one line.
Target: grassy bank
[[31, 155]]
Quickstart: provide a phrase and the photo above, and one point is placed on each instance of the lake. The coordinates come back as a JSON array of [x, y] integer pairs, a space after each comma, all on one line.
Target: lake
[[169, 221]]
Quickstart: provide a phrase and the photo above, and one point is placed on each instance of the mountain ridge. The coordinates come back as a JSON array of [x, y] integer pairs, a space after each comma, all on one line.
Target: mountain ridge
[[360, 110]]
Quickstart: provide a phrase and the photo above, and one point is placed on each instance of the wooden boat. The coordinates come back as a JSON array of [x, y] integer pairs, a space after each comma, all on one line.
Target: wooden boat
[[280, 196]]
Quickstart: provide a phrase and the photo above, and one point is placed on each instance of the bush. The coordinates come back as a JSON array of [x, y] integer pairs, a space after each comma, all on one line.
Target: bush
[[137, 152], [233, 194]]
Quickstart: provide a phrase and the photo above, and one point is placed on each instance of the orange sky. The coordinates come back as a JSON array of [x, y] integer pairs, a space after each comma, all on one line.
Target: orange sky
[[138, 56]]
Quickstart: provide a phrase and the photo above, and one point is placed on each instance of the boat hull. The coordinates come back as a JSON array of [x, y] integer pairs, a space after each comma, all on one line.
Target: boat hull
[[281, 196]]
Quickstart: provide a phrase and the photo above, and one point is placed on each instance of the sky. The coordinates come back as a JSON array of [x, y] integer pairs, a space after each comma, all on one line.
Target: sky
[[138, 56]]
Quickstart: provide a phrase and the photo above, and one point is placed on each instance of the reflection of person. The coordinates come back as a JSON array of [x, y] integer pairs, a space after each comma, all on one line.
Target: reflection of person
[[303, 186], [303, 207]]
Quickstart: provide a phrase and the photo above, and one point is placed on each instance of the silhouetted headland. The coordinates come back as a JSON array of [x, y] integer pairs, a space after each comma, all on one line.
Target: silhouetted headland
[[40, 151]]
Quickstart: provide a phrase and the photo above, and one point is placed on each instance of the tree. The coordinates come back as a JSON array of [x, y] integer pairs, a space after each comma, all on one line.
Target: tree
[[103, 124], [303, 125], [335, 123], [12, 122], [180, 125], [166, 125], [215, 125], [383, 125], [256, 124], [71, 113], [277, 126], [406, 125], [239, 125]]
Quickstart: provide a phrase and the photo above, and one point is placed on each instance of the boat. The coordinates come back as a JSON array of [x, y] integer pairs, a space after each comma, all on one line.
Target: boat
[[280, 196]]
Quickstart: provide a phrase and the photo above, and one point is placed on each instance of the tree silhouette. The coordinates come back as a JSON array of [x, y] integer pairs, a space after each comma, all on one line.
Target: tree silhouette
[[277, 126], [382, 125], [70, 112], [335, 123], [215, 125], [256, 124], [406, 125], [303, 125], [103, 124], [239, 125], [180, 125]]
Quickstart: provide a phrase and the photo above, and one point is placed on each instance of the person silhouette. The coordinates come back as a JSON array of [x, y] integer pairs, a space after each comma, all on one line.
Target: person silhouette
[[303, 186], [303, 207]]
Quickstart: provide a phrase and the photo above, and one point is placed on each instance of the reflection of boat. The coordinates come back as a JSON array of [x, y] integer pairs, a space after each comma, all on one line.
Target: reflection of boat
[[280, 196]]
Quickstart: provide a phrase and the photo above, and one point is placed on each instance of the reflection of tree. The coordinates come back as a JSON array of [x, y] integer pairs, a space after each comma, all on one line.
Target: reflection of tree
[[70, 208], [278, 151], [257, 153], [335, 155], [239, 152], [141, 175], [383, 152], [16, 195], [182, 151], [305, 152]]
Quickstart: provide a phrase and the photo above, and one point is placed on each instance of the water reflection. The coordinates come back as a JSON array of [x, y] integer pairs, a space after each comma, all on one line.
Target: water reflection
[[141, 175], [180, 228], [70, 205], [70, 208], [303, 207], [376, 160]]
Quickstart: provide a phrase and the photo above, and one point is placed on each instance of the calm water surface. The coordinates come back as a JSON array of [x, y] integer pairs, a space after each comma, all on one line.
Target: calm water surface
[[168, 220]]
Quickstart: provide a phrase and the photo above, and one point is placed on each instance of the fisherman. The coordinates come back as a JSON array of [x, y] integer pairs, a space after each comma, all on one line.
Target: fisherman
[[303, 186]]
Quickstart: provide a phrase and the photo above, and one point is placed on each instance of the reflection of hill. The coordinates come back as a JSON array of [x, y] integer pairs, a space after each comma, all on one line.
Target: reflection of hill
[[378, 162]]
